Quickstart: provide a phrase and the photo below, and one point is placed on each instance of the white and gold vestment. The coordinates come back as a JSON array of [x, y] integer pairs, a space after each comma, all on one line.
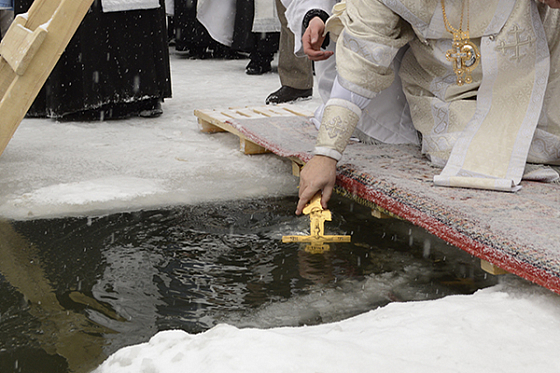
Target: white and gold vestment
[[483, 132]]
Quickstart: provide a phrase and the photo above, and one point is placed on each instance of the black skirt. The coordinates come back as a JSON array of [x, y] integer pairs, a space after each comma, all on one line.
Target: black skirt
[[115, 66]]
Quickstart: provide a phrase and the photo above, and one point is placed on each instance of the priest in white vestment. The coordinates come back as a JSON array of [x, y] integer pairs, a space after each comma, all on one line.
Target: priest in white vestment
[[480, 77]]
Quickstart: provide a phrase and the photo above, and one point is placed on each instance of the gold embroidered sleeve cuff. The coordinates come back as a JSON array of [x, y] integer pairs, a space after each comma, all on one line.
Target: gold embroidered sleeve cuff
[[339, 121]]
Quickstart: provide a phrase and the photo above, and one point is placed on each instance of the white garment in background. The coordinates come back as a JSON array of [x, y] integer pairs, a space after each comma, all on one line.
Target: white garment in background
[[266, 17], [170, 7], [122, 5], [218, 16]]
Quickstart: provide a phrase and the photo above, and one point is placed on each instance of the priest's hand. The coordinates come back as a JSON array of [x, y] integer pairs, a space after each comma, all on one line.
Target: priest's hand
[[313, 39], [319, 174], [551, 3]]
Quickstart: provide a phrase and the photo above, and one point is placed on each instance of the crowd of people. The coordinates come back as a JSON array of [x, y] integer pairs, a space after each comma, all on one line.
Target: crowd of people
[[115, 66], [474, 86], [117, 63], [257, 28]]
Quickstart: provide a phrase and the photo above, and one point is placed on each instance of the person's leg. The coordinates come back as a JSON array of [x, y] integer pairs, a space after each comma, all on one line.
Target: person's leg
[[191, 37], [266, 44], [296, 74]]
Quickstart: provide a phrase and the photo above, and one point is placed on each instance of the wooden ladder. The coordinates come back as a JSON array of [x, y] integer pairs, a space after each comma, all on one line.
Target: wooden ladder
[[29, 51]]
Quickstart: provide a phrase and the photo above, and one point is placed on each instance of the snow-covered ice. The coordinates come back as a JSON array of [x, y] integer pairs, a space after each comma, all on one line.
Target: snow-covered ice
[[53, 169], [73, 168], [506, 328]]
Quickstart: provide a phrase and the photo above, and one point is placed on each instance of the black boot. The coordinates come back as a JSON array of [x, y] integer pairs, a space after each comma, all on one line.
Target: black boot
[[259, 64], [288, 94]]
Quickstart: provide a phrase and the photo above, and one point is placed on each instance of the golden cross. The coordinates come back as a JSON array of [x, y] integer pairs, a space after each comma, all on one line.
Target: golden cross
[[465, 58], [316, 241]]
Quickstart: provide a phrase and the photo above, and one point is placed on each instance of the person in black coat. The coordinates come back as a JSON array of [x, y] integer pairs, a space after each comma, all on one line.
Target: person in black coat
[[115, 66]]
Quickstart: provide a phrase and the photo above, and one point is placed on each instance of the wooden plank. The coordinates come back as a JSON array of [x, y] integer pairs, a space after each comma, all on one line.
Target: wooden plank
[[216, 118], [272, 111], [212, 121], [297, 165], [248, 113], [379, 214], [213, 116], [208, 127], [7, 75], [491, 268], [249, 147], [298, 111], [20, 44], [41, 11], [233, 114]]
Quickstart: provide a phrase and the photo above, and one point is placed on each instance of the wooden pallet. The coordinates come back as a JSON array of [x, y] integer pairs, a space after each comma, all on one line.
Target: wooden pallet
[[29, 51], [212, 121]]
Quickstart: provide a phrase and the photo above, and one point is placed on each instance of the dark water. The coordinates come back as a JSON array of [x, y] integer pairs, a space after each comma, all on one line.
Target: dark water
[[75, 290]]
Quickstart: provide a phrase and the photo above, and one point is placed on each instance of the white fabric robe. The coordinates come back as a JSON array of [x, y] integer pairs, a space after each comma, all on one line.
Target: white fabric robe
[[387, 118], [170, 7], [482, 132], [123, 5], [218, 17]]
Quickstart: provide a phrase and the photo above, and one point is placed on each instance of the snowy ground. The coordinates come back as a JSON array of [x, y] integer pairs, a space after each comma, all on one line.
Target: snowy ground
[[58, 169], [63, 169]]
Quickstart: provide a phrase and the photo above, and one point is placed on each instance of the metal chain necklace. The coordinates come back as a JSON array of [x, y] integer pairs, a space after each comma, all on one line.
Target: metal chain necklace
[[464, 54]]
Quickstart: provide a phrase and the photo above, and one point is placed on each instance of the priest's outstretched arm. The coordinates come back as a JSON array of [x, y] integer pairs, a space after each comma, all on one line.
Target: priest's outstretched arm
[[348, 99], [341, 115]]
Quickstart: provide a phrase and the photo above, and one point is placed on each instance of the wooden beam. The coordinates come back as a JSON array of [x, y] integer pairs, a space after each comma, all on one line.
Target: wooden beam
[[208, 127], [20, 44], [248, 147], [379, 214], [491, 268], [296, 167]]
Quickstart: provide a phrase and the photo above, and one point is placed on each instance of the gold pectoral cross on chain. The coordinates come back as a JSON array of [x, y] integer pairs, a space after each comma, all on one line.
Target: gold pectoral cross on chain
[[464, 56]]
